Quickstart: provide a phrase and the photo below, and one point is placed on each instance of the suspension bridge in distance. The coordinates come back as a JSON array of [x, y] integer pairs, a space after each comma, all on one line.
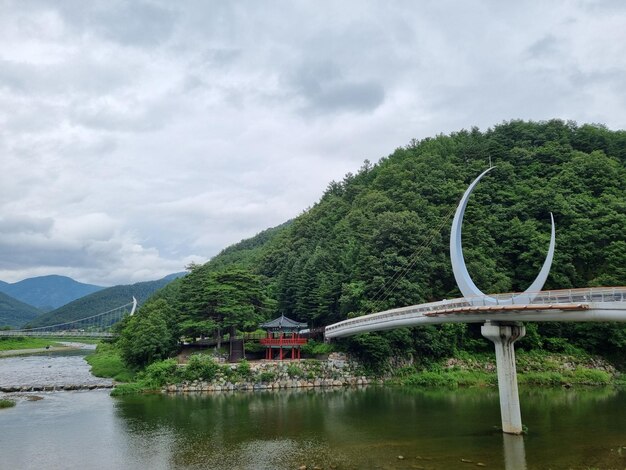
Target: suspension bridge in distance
[[93, 326]]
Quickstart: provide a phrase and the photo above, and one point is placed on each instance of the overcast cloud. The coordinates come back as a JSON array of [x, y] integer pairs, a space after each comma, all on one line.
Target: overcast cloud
[[138, 136]]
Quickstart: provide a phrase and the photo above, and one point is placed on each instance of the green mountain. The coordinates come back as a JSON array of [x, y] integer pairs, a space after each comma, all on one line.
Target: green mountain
[[379, 238], [48, 292], [14, 313], [102, 301]]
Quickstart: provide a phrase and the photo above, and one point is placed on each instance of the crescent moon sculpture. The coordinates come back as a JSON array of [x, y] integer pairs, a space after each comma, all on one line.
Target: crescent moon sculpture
[[463, 279]]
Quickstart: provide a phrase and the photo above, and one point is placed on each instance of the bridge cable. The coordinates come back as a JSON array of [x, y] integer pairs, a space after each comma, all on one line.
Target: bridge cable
[[75, 321], [387, 288]]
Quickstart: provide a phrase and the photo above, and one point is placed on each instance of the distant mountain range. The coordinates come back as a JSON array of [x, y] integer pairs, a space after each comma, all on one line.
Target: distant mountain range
[[15, 313], [102, 301], [19, 301], [48, 292]]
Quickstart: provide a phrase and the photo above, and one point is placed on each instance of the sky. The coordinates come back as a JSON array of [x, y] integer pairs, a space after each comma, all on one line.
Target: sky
[[137, 137]]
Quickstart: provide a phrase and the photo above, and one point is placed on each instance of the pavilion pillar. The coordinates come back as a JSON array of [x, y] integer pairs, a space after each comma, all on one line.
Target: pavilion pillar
[[503, 335]]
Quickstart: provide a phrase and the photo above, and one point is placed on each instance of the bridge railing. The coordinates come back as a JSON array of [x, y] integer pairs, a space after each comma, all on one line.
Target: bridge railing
[[554, 297], [563, 296]]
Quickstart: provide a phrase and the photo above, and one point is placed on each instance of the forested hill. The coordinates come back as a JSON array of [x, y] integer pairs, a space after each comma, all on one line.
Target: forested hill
[[101, 301], [379, 238], [14, 313]]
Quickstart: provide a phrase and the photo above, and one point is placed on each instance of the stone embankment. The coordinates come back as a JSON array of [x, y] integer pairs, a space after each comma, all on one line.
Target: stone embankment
[[337, 371], [53, 388]]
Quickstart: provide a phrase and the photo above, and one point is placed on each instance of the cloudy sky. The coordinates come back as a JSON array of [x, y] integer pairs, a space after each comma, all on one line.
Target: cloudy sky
[[138, 136]]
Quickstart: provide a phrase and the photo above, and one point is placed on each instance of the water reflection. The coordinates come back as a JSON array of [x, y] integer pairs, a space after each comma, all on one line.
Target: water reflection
[[514, 452], [374, 427], [284, 430], [345, 429]]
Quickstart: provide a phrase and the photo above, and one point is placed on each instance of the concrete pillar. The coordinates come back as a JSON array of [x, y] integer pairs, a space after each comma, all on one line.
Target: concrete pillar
[[503, 335]]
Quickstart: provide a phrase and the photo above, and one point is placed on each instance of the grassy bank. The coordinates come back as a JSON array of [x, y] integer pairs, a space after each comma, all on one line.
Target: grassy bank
[[107, 362], [536, 368], [8, 343]]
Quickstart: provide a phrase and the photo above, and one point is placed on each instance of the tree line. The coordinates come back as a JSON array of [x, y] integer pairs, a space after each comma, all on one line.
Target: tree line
[[379, 239]]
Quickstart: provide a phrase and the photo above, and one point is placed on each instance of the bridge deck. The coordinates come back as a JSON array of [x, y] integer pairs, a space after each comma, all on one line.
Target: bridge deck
[[589, 304], [505, 308]]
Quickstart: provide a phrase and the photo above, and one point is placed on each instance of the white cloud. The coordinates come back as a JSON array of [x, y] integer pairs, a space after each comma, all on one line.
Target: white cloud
[[136, 137]]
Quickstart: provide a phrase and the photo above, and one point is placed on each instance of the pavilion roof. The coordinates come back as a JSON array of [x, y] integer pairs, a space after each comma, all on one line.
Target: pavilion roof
[[283, 323]]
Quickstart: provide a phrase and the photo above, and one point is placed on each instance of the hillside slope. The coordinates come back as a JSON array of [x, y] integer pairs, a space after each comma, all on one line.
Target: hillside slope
[[379, 238], [48, 292], [102, 301], [14, 313]]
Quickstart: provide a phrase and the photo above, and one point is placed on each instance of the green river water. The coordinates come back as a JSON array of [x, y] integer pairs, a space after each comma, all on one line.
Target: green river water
[[366, 428]]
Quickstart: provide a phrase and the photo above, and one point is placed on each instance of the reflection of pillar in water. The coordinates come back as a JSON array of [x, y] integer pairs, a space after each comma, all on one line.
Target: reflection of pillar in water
[[514, 452]]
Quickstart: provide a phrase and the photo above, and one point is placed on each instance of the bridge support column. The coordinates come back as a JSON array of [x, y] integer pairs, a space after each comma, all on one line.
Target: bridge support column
[[503, 335]]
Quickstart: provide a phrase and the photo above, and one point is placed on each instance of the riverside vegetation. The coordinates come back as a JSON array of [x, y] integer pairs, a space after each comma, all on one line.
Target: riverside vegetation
[[4, 403], [378, 239], [8, 343], [203, 373]]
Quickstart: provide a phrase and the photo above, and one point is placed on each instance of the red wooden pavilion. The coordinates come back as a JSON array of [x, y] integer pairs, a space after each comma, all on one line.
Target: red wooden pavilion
[[283, 334]]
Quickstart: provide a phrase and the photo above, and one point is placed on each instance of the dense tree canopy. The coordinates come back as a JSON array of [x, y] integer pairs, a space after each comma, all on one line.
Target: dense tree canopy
[[149, 335], [379, 238], [229, 299]]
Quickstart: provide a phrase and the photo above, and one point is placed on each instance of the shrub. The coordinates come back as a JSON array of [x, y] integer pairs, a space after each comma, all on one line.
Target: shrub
[[404, 371], [243, 369], [267, 376], [559, 345], [542, 378], [254, 347], [128, 389], [430, 379], [227, 371], [200, 367], [294, 371], [591, 376], [6, 403], [372, 349], [315, 348], [159, 373]]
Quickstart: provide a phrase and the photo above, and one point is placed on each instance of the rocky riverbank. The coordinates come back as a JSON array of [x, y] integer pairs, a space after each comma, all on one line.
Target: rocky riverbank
[[337, 371], [48, 372], [53, 388]]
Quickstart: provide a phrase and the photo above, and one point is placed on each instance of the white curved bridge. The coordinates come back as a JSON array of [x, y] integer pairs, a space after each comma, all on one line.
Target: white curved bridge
[[502, 314], [571, 305]]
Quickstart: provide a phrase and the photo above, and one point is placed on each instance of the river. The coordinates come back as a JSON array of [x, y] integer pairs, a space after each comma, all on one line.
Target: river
[[371, 428], [53, 369]]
